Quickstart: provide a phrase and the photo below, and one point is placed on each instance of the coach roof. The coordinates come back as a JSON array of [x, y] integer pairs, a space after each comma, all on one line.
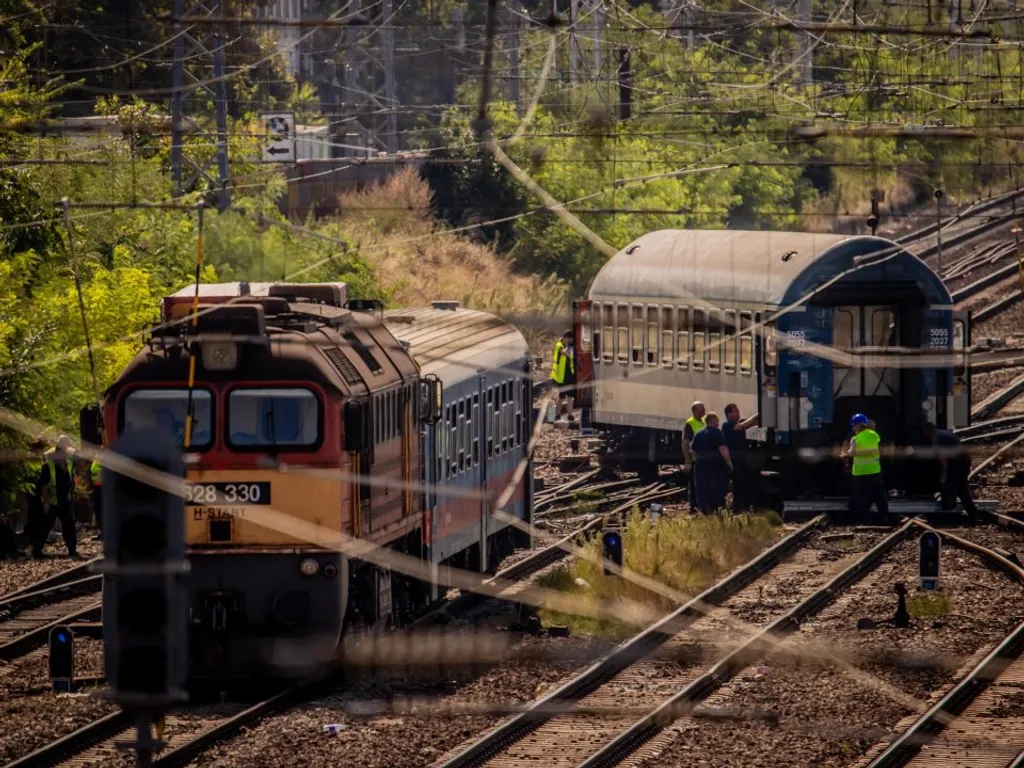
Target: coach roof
[[753, 267], [456, 343]]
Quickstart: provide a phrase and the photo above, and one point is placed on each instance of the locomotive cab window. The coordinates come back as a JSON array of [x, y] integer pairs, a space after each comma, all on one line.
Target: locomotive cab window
[[273, 418], [166, 409]]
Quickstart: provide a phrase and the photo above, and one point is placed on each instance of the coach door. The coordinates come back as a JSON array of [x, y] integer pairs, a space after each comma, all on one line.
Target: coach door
[[852, 329], [961, 390]]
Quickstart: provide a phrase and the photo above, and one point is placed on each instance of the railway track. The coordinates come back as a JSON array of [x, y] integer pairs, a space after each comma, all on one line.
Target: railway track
[[27, 615], [989, 429], [582, 723], [188, 734], [979, 722]]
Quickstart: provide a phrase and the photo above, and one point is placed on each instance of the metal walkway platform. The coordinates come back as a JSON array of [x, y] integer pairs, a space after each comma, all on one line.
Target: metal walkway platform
[[896, 507]]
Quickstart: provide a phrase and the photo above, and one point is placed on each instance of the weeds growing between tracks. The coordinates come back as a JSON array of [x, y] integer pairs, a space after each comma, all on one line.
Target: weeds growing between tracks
[[685, 553]]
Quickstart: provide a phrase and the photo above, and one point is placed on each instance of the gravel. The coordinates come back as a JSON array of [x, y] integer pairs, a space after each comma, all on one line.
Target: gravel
[[16, 574], [797, 710], [418, 734], [32, 714]]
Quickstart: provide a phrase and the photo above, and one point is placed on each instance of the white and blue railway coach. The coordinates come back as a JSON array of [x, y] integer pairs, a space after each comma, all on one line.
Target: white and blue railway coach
[[476, 452], [803, 329]]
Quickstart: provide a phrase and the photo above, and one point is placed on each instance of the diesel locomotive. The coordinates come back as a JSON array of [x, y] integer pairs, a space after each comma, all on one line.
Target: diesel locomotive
[[343, 417], [803, 329]]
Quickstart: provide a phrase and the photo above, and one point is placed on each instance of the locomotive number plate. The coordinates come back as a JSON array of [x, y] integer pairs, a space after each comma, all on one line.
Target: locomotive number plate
[[220, 494]]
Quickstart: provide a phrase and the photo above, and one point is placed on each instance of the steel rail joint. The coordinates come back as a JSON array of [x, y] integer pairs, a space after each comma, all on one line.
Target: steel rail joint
[[627, 653], [683, 703]]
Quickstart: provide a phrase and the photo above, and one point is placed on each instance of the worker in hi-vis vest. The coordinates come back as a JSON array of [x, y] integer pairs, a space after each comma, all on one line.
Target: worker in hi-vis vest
[[563, 371], [693, 425], [866, 486]]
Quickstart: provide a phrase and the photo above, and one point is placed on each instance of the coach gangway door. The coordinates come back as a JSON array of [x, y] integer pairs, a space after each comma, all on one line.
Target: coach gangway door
[[865, 387]]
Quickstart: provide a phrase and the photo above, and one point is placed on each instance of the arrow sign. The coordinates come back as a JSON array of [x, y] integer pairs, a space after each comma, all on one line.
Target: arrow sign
[[279, 128]]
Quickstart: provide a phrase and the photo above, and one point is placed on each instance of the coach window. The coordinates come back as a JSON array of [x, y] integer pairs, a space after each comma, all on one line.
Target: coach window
[[842, 330], [622, 334], [475, 423], [883, 328], [277, 417], [510, 416], [653, 334], [496, 420], [699, 337], [771, 356], [746, 344], [453, 442], [668, 330], [637, 335], [503, 417], [682, 337], [461, 427], [729, 342], [714, 341], [959, 348], [608, 349], [488, 408]]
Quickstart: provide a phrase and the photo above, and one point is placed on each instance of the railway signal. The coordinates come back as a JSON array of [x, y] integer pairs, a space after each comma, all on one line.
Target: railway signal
[[144, 602], [62, 659], [611, 548], [929, 551]]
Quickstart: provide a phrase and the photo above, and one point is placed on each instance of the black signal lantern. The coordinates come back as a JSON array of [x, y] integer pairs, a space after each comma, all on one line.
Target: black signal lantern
[[62, 659], [145, 608], [611, 550], [929, 551]]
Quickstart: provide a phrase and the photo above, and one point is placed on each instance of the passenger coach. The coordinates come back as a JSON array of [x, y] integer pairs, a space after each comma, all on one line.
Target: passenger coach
[[849, 324]]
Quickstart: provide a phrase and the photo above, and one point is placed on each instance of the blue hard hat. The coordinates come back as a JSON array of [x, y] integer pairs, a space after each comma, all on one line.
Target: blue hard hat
[[858, 418]]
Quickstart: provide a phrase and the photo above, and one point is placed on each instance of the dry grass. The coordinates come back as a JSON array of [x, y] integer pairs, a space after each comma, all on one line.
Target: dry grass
[[924, 605], [685, 553], [388, 216]]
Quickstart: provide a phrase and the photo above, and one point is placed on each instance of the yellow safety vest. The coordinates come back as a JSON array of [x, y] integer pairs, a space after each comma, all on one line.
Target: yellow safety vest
[[52, 462], [866, 458], [696, 424], [559, 361], [96, 470]]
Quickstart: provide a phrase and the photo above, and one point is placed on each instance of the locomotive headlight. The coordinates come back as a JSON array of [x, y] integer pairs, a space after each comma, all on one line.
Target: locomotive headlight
[[309, 567], [220, 356], [927, 405]]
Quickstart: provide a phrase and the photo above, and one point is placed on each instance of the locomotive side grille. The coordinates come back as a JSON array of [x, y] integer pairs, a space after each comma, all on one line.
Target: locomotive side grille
[[348, 371]]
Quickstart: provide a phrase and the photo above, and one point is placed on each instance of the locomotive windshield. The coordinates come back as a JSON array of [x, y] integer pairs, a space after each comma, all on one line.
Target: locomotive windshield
[[273, 418], [166, 409]]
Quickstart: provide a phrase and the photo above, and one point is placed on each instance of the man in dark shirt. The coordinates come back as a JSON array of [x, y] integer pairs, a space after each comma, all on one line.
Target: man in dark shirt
[[954, 469], [743, 492], [711, 466], [57, 484]]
